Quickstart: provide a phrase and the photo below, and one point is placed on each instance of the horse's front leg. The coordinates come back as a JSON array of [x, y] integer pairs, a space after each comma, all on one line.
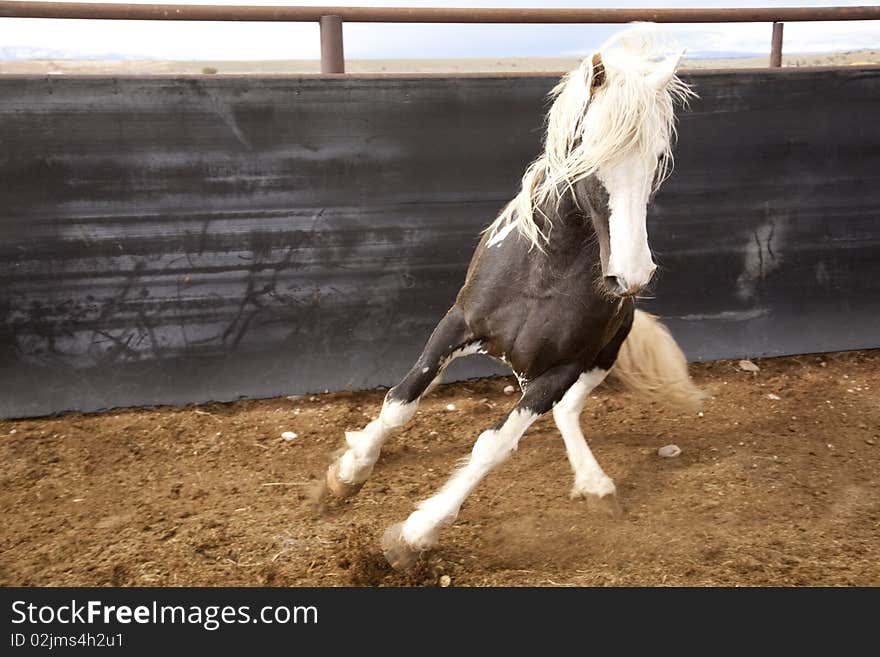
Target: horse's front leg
[[347, 474], [403, 542], [590, 481]]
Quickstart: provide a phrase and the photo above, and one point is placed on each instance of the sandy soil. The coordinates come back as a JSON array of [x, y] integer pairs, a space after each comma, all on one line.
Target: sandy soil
[[766, 491], [512, 64]]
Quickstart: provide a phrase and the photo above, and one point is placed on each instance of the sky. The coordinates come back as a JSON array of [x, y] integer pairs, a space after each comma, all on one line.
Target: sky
[[255, 41]]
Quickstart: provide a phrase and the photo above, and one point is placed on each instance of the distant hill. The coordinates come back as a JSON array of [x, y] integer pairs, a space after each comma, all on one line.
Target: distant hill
[[56, 62], [25, 53]]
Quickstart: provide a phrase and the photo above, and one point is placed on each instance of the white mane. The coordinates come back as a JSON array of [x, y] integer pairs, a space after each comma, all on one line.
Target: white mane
[[627, 112]]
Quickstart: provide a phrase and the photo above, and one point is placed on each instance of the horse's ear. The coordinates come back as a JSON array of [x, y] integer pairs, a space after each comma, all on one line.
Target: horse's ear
[[666, 69], [597, 79]]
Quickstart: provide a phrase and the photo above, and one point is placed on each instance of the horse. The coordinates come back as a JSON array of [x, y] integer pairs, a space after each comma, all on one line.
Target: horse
[[551, 288]]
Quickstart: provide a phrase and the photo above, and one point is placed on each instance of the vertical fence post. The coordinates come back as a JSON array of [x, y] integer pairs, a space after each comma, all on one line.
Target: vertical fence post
[[776, 46], [332, 55]]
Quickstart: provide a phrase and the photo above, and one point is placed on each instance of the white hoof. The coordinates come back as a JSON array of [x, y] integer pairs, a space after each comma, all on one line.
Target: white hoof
[[600, 496], [599, 487]]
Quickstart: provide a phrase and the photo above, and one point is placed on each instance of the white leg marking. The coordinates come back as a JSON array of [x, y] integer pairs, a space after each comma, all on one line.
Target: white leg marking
[[468, 350], [492, 447], [364, 446], [589, 478], [356, 463]]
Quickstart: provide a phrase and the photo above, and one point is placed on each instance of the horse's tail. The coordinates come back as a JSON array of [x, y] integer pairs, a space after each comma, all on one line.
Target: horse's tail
[[650, 362]]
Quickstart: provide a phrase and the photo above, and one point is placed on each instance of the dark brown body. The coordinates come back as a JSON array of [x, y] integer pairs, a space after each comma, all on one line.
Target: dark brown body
[[543, 312]]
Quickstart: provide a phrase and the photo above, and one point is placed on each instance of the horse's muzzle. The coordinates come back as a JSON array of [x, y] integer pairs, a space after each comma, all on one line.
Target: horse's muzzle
[[620, 287]]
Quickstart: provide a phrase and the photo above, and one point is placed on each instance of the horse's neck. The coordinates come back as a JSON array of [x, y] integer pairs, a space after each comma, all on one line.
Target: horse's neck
[[572, 247], [567, 226]]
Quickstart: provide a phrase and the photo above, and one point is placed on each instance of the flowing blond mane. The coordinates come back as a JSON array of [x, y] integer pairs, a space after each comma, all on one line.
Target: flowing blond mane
[[584, 132]]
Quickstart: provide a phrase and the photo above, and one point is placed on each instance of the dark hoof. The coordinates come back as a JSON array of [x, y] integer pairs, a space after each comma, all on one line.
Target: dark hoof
[[397, 552]]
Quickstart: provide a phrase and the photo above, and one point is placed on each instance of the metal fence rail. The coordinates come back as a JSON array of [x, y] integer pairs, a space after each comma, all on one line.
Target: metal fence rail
[[175, 12], [331, 18]]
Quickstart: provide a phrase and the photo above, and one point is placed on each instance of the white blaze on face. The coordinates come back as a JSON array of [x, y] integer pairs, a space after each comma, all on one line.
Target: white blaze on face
[[628, 182]]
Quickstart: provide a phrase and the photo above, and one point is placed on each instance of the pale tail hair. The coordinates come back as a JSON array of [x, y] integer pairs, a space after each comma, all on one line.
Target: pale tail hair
[[583, 133], [652, 364]]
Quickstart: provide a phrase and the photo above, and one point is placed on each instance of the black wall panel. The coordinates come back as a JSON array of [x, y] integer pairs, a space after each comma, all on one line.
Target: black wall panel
[[170, 240]]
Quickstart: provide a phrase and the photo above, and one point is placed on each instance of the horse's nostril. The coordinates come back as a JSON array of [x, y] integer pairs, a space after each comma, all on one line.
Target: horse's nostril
[[616, 284]]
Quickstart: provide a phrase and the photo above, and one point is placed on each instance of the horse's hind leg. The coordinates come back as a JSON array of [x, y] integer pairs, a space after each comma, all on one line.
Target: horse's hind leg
[[349, 472], [402, 543]]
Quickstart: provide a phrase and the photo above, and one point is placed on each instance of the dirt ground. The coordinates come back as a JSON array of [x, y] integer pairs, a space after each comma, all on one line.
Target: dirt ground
[[766, 491]]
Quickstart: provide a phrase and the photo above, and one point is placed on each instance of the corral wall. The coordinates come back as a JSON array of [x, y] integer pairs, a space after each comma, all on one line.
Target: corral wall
[[175, 240]]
